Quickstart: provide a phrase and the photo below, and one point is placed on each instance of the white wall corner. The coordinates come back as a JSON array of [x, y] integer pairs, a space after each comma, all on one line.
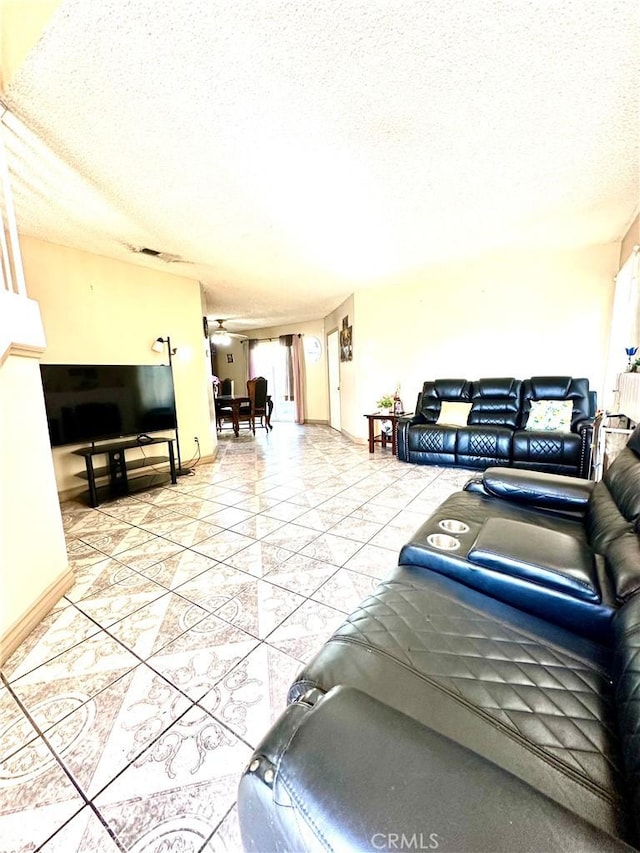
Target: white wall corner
[[21, 329]]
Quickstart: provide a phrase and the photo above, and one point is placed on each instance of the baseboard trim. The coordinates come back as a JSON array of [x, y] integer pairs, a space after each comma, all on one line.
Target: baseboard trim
[[43, 605]]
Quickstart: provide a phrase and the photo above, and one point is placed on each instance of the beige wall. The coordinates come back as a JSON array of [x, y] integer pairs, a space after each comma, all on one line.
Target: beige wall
[[237, 369], [315, 373], [21, 24], [630, 240], [33, 557], [97, 310], [506, 314]]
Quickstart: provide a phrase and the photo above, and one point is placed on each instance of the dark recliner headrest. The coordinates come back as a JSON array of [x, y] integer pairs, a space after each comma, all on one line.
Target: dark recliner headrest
[[634, 441]]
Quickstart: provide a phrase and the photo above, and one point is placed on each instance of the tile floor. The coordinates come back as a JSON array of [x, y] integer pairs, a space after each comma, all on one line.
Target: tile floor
[[128, 715]]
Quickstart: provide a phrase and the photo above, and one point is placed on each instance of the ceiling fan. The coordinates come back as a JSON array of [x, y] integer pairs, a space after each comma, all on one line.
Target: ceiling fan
[[222, 336]]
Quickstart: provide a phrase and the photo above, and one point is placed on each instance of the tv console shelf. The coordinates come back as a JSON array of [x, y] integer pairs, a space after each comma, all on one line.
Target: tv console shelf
[[118, 468]]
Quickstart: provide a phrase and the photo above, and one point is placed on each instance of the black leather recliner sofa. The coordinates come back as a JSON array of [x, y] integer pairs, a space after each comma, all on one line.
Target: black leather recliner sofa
[[496, 430], [455, 713]]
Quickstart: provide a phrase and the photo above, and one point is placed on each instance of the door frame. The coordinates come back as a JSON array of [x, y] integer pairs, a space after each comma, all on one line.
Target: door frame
[[333, 374]]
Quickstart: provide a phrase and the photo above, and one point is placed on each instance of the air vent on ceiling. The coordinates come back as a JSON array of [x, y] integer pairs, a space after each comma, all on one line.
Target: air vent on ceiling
[[167, 257]]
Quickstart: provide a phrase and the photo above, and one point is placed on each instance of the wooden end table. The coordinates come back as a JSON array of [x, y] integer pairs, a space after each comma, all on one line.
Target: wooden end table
[[384, 438]]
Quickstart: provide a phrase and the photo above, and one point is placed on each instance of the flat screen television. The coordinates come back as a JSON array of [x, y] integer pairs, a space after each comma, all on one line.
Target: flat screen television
[[91, 402]]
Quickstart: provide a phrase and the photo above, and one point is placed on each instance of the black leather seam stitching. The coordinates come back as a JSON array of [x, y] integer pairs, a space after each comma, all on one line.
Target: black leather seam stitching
[[282, 775], [562, 653], [286, 782], [533, 581], [515, 735]]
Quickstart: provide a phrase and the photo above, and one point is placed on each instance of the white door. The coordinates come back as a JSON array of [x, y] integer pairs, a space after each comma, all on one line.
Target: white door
[[333, 360]]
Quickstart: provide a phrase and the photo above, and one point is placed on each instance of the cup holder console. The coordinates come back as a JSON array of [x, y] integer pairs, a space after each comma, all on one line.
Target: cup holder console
[[453, 526], [443, 542]]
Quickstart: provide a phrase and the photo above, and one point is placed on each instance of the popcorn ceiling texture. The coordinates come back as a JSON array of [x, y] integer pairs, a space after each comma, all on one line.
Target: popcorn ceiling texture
[[292, 152]]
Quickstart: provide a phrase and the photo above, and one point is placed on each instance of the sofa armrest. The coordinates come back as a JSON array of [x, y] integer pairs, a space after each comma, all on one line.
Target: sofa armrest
[[352, 773], [536, 488]]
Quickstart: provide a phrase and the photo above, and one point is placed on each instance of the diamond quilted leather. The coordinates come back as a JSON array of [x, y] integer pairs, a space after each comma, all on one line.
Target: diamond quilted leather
[[545, 447], [555, 702], [627, 679], [483, 444], [431, 441]]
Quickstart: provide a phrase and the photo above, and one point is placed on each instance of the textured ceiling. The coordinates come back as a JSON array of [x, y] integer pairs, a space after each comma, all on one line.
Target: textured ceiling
[[292, 152]]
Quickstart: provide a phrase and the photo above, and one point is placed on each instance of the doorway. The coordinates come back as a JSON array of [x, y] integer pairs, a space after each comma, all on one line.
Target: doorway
[[333, 361]]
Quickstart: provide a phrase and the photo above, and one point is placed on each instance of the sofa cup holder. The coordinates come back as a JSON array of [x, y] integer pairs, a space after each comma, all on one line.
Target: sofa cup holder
[[443, 542], [452, 525]]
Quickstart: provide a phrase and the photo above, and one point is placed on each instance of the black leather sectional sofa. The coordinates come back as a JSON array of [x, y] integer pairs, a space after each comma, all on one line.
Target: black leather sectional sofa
[[486, 696], [496, 430]]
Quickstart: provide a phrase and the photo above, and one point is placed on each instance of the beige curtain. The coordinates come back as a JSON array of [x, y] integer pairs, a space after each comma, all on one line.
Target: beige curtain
[[293, 385]]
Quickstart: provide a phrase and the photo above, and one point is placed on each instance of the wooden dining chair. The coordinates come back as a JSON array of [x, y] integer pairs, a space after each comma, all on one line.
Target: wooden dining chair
[[257, 393]]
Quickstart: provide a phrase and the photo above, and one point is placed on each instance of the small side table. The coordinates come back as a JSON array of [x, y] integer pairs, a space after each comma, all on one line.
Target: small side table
[[383, 438]]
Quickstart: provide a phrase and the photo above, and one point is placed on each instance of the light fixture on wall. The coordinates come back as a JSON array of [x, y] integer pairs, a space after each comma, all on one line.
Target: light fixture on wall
[[158, 346]]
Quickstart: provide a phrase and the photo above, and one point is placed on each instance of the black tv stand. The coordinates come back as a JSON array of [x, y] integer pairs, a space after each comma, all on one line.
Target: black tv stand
[[118, 468]]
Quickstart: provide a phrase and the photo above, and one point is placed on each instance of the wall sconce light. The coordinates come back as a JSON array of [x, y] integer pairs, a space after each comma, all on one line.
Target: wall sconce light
[[158, 346]]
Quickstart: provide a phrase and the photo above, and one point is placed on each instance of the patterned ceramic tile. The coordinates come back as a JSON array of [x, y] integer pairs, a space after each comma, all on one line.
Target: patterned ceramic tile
[[345, 590], [214, 587], [228, 516], [356, 528], [97, 576], [58, 687], [192, 532], [84, 832], [60, 630], [390, 537], [373, 560], [301, 574], [258, 503], [227, 838], [376, 513], [254, 693], [260, 607], [167, 522], [319, 519], [340, 505], [283, 510], [178, 791], [102, 737], [157, 623], [258, 526], [304, 632], [16, 730], [116, 539], [196, 660], [259, 558], [81, 555], [112, 603], [223, 545], [36, 798], [331, 549], [176, 570], [146, 555], [100, 706], [293, 537]]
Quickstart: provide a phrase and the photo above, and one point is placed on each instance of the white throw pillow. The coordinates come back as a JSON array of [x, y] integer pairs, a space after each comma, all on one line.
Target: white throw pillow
[[550, 415], [453, 414]]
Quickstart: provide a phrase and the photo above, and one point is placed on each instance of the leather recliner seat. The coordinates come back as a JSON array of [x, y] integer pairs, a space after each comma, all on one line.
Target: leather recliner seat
[[495, 431], [563, 548], [443, 716]]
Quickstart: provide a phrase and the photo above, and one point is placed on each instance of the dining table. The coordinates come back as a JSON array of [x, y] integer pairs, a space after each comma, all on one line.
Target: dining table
[[233, 402]]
